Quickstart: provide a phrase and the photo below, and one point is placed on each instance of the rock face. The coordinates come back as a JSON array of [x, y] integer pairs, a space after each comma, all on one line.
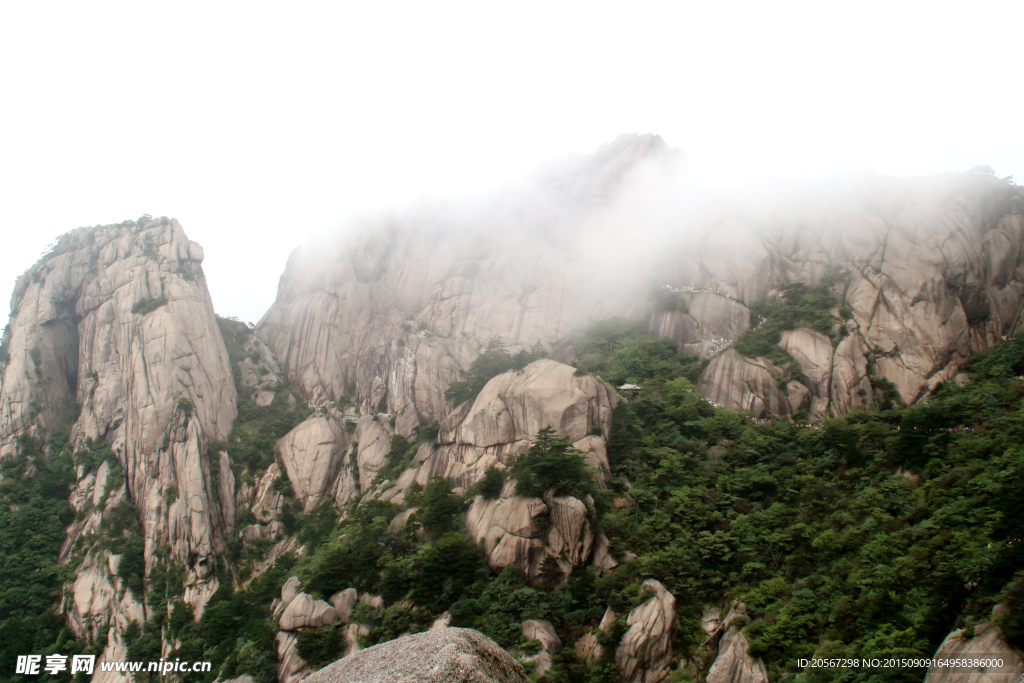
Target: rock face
[[96, 610], [290, 668], [933, 273], [539, 629], [813, 351], [710, 321], [507, 414], [588, 649], [733, 664], [118, 319], [570, 536], [343, 602], [498, 424], [851, 388], [507, 530], [987, 643], [516, 405], [448, 655], [394, 316], [353, 632], [290, 590], [739, 383], [72, 324], [313, 454], [305, 612], [644, 653]]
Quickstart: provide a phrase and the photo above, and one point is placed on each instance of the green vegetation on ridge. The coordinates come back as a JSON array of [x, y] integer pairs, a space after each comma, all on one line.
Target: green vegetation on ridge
[[34, 514], [799, 306], [874, 535], [492, 362], [871, 536]]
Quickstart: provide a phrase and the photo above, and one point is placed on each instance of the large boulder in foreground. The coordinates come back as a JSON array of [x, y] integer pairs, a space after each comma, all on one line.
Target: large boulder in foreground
[[450, 655]]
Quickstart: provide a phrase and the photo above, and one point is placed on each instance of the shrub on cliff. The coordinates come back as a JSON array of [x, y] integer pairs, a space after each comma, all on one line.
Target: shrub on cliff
[[491, 363], [799, 306], [551, 465], [148, 305]]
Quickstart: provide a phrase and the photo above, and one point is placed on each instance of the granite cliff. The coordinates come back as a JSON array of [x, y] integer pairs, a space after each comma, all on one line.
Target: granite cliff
[[205, 452], [116, 326], [393, 313]]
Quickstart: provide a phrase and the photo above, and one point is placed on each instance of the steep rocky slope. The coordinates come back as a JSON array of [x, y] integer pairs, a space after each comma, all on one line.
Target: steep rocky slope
[[393, 315], [441, 656], [117, 320], [934, 271], [396, 311], [209, 456]]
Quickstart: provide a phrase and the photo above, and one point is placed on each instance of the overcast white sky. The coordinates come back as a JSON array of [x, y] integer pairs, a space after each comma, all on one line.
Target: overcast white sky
[[256, 124]]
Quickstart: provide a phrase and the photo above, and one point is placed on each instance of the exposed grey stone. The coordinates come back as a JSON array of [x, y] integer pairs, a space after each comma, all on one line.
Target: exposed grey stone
[[542, 630], [305, 612], [263, 398], [343, 602], [450, 655], [987, 643], [313, 454], [733, 664], [290, 589], [290, 667], [739, 383], [645, 651]]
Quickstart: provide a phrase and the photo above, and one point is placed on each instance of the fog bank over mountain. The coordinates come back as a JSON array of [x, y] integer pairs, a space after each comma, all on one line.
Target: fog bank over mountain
[[256, 129], [923, 275]]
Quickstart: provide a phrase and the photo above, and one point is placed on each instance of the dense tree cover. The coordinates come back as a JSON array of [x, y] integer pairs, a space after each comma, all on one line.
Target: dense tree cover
[[552, 466], [34, 515], [623, 352], [491, 363], [874, 535]]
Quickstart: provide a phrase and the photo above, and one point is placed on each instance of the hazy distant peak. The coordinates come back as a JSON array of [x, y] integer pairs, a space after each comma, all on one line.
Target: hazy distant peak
[[632, 147], [596, 177]]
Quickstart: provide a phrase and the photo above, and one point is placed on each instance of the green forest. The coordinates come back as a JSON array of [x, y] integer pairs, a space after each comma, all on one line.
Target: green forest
[[873, 535]]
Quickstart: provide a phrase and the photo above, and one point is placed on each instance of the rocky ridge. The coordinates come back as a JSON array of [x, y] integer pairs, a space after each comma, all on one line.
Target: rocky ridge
[[932, 271], [450, 655], [118, 320], [393, 317], [985, 643]]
